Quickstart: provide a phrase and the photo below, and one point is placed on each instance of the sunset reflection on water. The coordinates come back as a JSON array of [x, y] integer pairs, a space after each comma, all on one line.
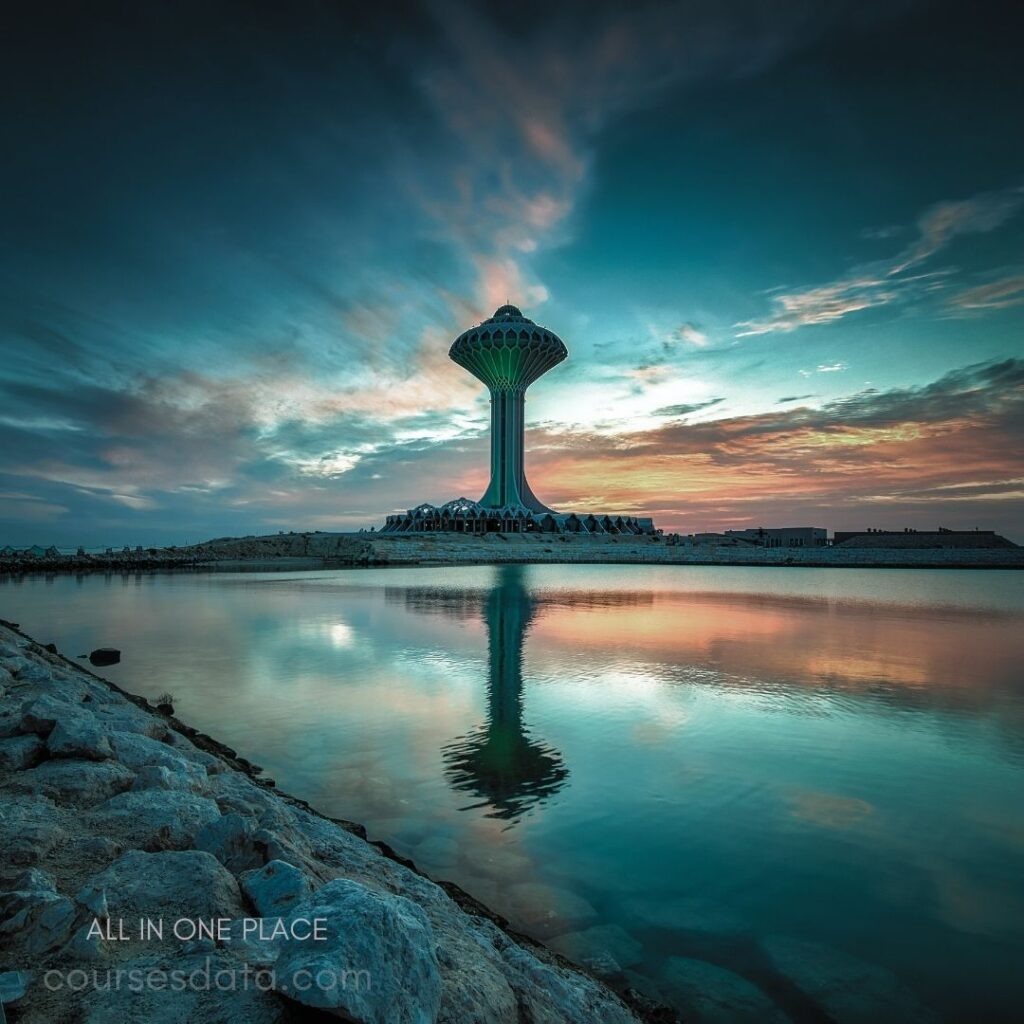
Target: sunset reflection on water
[[789, 775]]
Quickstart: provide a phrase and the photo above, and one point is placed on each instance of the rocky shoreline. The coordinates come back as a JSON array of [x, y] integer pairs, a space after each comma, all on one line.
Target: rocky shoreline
[[113, 814]]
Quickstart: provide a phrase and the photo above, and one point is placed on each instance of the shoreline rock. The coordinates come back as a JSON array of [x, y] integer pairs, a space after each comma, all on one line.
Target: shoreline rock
[[142, 816]]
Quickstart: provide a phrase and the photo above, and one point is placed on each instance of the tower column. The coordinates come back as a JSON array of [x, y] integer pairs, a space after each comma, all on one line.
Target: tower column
[[506, 486]]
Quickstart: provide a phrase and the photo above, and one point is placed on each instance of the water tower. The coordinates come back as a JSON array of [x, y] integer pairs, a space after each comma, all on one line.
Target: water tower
[[508, 352]]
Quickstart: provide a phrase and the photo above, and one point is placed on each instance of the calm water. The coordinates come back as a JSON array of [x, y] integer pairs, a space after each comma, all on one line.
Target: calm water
[[812, 780]]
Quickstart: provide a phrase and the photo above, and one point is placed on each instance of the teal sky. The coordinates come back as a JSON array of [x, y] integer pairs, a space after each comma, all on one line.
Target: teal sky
[[784, 244]]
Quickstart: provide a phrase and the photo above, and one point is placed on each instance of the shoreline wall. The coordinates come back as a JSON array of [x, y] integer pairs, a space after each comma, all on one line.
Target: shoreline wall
[[314, 550]]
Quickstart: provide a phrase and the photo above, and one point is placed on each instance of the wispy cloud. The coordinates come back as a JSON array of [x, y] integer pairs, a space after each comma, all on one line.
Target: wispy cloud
[[822, 304], [691, 335], [836, 367], [943, 222], [521, 118], [678, 411], [886, 282], [1007, 291]]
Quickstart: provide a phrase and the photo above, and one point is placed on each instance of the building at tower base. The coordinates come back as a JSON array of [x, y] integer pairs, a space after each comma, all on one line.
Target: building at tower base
[[508, 352], [465, 516]]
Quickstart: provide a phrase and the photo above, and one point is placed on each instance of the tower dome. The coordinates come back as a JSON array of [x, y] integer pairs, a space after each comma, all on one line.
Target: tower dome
[[508, 350]]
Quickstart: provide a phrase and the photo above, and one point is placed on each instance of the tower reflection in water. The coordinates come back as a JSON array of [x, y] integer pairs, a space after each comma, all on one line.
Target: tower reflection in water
[[505, 769], [500, 763]]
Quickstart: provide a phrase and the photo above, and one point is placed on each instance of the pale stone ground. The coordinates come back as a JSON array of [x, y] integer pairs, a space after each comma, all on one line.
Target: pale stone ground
[[111, 812], [456, 549]]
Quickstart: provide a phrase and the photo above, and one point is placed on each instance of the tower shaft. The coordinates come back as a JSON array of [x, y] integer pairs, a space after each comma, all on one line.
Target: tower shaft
[[508, 486]]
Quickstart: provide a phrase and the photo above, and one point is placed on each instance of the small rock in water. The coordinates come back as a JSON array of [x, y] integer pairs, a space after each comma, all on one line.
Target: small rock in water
[[719, 996], [845, 987], [605, 948], [105, 656]]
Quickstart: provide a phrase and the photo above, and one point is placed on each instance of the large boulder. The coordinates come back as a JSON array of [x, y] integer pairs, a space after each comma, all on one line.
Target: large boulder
[[10, 719], [31, 671], [156, 776], [76, 783], [13, 986], [213, 990], [155, 819], [136, 750], [472, 972], [20, 752], [35, 921], [549, 994], [28, 830], [275, 888], [79, 737], [378, 964], [43, 713], [31, 880], [170, 884], [122, 717], [230, 838]]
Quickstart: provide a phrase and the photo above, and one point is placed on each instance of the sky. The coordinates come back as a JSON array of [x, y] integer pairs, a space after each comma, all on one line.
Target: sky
[[783, 243]]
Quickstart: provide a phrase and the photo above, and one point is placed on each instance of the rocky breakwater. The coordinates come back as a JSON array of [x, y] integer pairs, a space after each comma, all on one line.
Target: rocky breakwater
[[148, 873]]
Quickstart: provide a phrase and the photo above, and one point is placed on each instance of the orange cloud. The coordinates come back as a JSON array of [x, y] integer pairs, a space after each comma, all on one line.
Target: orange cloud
[[948, 449]]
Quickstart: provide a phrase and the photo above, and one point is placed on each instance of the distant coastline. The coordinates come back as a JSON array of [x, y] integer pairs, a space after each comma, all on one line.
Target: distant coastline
[[311, 550]]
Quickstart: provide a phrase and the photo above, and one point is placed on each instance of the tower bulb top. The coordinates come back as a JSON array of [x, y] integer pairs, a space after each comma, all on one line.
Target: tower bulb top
[[508, 351]]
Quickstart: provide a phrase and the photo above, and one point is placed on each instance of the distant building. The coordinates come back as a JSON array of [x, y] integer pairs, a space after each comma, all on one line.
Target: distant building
[[782, 536], [940, 538]]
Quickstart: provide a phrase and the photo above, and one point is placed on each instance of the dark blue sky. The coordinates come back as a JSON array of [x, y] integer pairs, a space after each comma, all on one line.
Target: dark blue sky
[[783, 242]]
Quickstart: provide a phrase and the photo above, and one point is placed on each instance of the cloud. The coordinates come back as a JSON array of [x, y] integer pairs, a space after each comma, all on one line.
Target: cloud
[[519, 112], [204, 460], [1001, 294], [822, 305], [885, 282], [949, 448], [691, 335], [881, 234], [940, 224], [794, 398], [685, 410], [836, 367]]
